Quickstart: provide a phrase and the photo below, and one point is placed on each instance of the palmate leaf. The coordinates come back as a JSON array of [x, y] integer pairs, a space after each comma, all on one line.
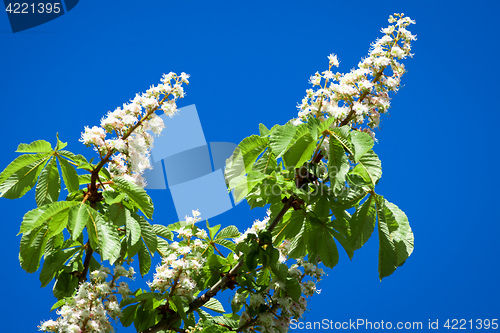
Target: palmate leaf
[[78, 217], [21, 174], [39, 146], [48, 185], [243, 157], [228, 232], [43, 215], [136, 193], [69, 175], [290, 226], [79, 159], [57, 224], [55, 263], [32, 247], [281, 138], [103, 237], [395, 237], [148, 234], [338, 165], [227, 322], [301, 148], [245, 184], [132, 229], [263, 130], [363, 222], [161, 230], [327, 249], [369, 168], [144, 259], [362, 142], [214, 305]]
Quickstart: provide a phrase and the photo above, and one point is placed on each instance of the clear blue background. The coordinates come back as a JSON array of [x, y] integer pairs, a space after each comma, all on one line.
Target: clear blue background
[[249, 63]]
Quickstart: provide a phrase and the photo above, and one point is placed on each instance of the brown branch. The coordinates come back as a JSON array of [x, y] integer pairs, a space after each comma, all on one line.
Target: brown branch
[[86, 263]]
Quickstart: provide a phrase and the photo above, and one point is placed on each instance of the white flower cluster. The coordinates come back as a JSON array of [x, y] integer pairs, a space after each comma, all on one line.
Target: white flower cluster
[[182, 262], [275, 296], [131, 124], [88, 310], [306, 274], [256, 227], [362, 94]]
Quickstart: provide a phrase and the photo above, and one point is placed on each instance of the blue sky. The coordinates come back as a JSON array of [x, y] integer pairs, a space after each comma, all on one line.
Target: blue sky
[[249, 64]]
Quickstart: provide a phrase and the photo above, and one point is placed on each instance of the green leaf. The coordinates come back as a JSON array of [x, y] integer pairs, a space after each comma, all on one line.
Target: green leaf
[[148, 234], [363, 222], [263, 130], [214, 305], [266, 164], [39, 146], [162, 248], [116, 214], [301, 149], [369, 168], [58, 304], [57, 223], [226, 243], [244, 156], [264, 277], [362, 142], [31, 249], [343, 241], [78, 217], [228, 232], [395, 237], [84, 179], [136, 194], [297, 245], [228, 322], [69, 175], [293, 288], [281, 138], [251, 259], [213, 230], [55, 263], [338, 165], [161, 230], [41, 215], [133, 229], [181, 307], [145, 318], [65, 285], [20, 176], [324, 125], [243, 185], [79, 159], [327, 249], [128, 315], [144, 260], [288, 228], [313, 126], [103, 237], [60, 144], [49, 185]]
